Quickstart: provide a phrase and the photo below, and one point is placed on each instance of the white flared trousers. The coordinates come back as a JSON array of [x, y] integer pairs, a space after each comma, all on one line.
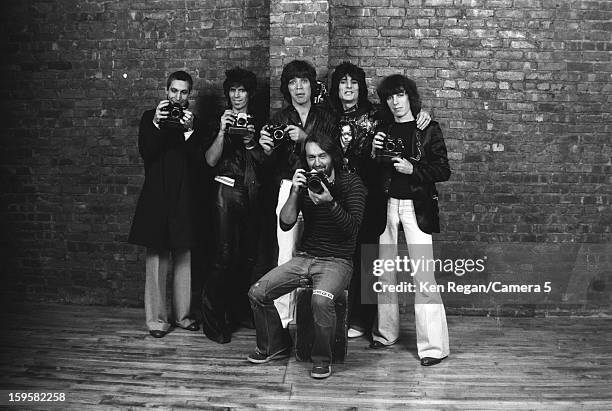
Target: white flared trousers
[[287, 240], [430, 317]]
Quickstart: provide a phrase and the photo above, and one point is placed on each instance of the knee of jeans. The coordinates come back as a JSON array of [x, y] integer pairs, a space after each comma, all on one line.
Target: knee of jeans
[[257, 294], [322, 301]]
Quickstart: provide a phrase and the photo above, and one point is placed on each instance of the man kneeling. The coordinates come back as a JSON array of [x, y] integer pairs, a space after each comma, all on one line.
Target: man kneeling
[[332, 203]]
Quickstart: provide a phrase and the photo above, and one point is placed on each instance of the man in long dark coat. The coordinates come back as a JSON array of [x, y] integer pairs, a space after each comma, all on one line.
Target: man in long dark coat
[[168, 139]]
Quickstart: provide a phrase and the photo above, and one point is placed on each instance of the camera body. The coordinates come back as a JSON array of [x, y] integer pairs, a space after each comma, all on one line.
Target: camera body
[[315, 181], [175, 114], [392, 147], [277, 132], [241, 122]]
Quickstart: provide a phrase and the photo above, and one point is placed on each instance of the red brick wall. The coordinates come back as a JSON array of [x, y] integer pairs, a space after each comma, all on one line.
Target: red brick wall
[[521, 88]]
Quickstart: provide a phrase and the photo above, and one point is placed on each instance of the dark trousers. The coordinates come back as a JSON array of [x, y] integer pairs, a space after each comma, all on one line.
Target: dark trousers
[[225, 289], [361, 316], [329, 276]]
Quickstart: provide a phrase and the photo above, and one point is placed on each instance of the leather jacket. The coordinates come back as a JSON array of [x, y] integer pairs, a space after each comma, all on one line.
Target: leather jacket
[[237, 162], [426, 150], [287, 157]]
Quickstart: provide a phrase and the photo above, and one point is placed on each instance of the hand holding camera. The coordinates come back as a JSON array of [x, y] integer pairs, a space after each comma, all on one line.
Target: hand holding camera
[[172, 115], [377, 143], [385, 148], [187, 120], [299, 180], [265, 141], [318, 187], [295, 133], [316, 181], [227, 119], [238, 126], [160, 112], [240, 123], [272, 135]]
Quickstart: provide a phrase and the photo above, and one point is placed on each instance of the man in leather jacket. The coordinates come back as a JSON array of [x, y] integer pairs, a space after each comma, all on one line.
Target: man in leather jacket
[[359, 118], [411, 162], [234, 154]]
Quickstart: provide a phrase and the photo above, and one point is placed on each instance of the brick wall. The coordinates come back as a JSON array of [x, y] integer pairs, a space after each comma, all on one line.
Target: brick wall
[[78, 75], [521, 89], [298, 30]]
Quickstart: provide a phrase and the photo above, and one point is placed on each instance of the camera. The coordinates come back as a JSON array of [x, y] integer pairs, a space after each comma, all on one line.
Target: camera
[[241, 122], [277, 131], [392, 147], [315, 181], [175, 114]]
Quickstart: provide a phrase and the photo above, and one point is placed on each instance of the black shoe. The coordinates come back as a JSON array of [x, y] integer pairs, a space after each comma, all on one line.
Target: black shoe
[[192, 327], [377, 345], [256, 357], [158, 333], [320, 371], [429, 361]]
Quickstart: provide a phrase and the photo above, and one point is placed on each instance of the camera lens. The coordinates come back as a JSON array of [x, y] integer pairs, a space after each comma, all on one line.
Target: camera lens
[[175, 112], [390, 146], [278, 134], [315, 185]]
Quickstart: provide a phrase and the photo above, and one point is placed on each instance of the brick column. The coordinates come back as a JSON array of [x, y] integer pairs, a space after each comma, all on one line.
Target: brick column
[[299, 29]]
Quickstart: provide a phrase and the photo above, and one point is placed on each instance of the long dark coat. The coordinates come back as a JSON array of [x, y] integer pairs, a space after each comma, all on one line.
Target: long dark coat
[[164, 217]]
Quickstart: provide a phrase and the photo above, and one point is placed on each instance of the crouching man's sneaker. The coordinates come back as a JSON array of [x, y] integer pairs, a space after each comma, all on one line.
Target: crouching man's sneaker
[[354, 333], [257, 357], [320, 371]]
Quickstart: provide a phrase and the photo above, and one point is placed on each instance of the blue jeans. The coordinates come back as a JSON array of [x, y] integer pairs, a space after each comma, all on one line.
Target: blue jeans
[[329, 275]]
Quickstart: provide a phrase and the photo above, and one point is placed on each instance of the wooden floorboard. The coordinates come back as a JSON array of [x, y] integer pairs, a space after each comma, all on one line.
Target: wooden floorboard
[[103, 358]]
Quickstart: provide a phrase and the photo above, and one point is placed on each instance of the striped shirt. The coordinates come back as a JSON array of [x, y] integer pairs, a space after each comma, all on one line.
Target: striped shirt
[[330, 229]]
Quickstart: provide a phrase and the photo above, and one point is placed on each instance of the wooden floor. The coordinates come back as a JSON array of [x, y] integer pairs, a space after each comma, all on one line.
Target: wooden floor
[[103, 358]]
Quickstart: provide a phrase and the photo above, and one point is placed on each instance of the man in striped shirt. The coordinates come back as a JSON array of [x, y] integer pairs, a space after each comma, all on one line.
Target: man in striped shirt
[[332, 219]]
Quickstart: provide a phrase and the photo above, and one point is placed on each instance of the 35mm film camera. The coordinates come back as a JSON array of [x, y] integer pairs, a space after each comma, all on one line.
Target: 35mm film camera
[[241, 122], [175, 114], [277, 132], [315, 181], [392, 147]]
